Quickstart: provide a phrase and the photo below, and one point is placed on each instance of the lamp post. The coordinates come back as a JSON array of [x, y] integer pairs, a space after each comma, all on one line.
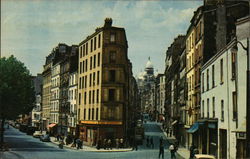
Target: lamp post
[[247, 98]]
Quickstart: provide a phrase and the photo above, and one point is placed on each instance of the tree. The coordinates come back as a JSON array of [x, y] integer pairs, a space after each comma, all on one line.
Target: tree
[[16, 91]]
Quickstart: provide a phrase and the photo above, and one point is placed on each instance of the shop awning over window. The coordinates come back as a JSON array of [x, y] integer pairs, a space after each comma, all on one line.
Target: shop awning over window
[[174, 122], [51, 125], [194, 127]]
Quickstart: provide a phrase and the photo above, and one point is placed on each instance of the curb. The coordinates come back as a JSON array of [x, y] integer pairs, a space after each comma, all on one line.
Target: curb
[[95, 150]]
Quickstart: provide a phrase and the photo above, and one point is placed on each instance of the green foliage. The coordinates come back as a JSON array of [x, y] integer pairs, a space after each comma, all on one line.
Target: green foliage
[[16, 88]]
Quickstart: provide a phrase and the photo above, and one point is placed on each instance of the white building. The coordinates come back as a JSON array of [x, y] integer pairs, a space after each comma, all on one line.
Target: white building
[[223, 98], [72, 98]]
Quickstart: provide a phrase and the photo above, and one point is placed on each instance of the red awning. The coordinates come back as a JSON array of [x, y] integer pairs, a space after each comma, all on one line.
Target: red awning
[[51, 125]]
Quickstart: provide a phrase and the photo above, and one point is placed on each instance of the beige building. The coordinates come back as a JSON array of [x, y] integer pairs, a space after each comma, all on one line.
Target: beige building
[[46, 94], [103, 76]]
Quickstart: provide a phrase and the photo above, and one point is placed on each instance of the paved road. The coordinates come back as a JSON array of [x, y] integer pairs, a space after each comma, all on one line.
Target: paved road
[[27, 147]]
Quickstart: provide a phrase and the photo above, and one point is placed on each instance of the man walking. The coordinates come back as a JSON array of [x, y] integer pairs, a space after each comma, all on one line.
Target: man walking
[[152, 142], [161, 152], [172, 151]]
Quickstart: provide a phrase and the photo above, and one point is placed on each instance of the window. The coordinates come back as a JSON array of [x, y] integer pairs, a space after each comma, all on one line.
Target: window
[[203, 108], [94, 61], [112, 56], [111, 94], [99, 40], [222, 110], [221, 71], [93, 96], [112, 75], [85, 97], [80, 98], [86, 64], [233, 64], [112, 37], [97, 114], [98, 60], [86, 79], [207, 108], [84, 114], [207, 79], [94, 79], [86, 48], [89, 97], [213, 84], [80, 84], [83, 64], [80, 52], [98, 76], [90, 63], [83, 49], [93, 113], [80, 67], [97, 96], [90, 79], [89, 113], [234, 105], [91, 45], [213, 107], [95, 43], [202, 82]]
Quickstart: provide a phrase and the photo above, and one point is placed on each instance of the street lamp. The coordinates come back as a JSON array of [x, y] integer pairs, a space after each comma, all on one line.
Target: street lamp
[[247, 96]]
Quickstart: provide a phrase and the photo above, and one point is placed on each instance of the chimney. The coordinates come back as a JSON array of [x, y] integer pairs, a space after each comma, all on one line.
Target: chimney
[[108, 22]]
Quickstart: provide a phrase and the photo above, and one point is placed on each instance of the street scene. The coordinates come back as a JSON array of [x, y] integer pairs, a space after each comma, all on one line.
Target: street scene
[[125, 79]]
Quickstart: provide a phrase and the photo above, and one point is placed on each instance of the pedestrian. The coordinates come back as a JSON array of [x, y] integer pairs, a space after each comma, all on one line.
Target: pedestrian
[[78, 143], [170, 132], [161, 140], [109, 144], [161, 150], [121, 142], [98, 144], [152, 142], [172, 151], [147, 141], [191, 149], [117, 143], [167, 131], [105, 143]]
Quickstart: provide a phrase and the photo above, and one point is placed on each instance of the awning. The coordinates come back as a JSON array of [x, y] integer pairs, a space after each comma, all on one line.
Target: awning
[[51, 125], [194, 127], [174, 122]]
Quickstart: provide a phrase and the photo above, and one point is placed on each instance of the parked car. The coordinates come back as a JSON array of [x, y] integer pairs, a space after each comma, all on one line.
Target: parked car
[[23, 128], [203, 156], [45, 138], [37, 134], [31, 130]]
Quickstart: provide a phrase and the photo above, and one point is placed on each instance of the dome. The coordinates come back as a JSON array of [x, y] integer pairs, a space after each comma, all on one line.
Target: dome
[[149, 64]]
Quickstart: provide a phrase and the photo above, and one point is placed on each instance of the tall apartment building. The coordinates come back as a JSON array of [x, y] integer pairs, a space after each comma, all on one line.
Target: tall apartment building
[[212, 28], [160, 96], [172, 84], [46, 95], [103, 80]]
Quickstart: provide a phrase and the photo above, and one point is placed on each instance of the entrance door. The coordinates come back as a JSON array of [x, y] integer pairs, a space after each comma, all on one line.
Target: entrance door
[[223, 143], [241, 148]]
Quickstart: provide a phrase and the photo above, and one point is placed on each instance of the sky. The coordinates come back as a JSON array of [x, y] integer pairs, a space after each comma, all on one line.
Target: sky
[[30, 29]]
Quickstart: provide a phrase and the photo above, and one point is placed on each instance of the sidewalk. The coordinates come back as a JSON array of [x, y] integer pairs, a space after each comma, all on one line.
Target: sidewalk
[[182, 151], [89, 148]]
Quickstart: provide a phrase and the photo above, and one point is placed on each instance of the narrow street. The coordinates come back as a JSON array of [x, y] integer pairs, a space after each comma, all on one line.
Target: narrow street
[[23, 146]]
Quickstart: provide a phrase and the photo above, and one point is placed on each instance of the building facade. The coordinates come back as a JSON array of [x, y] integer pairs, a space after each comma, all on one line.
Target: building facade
[[103, 78], [224, 98]]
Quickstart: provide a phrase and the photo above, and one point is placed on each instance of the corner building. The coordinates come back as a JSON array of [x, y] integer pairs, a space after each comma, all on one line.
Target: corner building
[[104, 71]]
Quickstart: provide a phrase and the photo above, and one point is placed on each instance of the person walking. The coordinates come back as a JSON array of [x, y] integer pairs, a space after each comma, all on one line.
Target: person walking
[[161, 150], [167, 131], [170, 133], [192, 151], [152, 142], [172, 151], [117, 143], [147, 142], [78, 143]]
